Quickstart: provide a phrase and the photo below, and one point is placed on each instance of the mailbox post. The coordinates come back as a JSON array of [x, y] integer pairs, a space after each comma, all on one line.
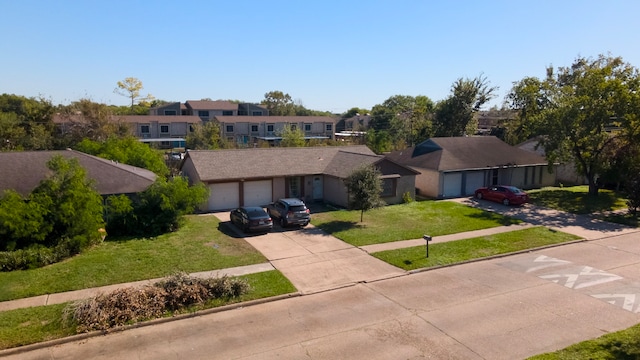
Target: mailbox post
[[427, 239]]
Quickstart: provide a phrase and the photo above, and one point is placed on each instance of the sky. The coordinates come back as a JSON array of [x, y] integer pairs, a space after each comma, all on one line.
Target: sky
[[327, 55]]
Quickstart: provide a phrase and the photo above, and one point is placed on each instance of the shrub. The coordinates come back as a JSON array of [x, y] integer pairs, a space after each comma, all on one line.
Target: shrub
[[406, 197]]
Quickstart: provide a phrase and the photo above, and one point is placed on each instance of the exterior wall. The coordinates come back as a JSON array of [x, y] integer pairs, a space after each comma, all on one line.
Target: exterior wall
[[279, 190], [335, 192], [189, 170], [428, 182], [403, 184]]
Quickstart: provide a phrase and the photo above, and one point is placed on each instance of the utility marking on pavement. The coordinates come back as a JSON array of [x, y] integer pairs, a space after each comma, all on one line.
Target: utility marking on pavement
[[625, 301], [545, 262], [580, 279]]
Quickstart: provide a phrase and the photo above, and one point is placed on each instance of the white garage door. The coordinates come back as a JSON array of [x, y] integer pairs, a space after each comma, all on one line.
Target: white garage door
[[224, 196], [452, 186], [257, 193], [475, 179]]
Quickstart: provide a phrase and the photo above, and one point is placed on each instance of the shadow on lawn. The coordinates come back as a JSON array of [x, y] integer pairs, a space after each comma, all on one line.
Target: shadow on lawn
[[337, 226], [575, 202], [503, 220]]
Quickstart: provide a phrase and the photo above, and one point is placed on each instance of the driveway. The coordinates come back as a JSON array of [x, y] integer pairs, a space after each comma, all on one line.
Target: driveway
[[315, 261]]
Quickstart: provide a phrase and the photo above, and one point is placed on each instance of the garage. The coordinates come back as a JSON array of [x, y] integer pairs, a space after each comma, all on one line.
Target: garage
[[224, 196], [474, 180], [452, 185], [257, 193]]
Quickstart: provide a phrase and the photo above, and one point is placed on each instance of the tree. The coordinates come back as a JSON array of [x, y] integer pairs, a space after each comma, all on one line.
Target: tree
[[589, 101], [279, 103], [454, 116], [26, 123], [406, 119], [130, 87], [126, 150], [292, 137], [85, 119], [529, 97], [364, 187], [204, 137]]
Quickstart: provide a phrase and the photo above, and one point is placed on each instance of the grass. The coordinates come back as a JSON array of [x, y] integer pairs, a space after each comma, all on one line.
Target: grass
[[37, 324], [406, 221], [453, 252], [576, 199], [199, 245], [623, 344]]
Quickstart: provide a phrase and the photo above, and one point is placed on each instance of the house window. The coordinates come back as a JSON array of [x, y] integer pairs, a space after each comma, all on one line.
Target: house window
[[203, 113], [294, 127], [170, 112], [242, 113], [144, 129], [227, 112], [329, 127], [164, 129], [254, 128], [229, 128], [294, 187], [190, 128], [270, 128], [256, 113], [494, 177], [307, 127], [388, 187]]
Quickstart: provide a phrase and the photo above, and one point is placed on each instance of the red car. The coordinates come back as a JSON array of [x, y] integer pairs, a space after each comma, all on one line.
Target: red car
[[505, 194]]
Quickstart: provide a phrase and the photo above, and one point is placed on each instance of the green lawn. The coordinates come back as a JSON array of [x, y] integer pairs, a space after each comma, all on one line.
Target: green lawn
[[198, 246], [576, 199], [37, 324], [406, 221], [453, 252]]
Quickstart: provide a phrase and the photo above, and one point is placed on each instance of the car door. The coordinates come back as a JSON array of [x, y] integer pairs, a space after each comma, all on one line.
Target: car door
[[492, 193]]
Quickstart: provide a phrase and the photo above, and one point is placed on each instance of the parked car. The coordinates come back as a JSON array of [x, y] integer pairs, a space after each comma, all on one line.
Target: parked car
[[505, 194], [251, 218], [289, 211]]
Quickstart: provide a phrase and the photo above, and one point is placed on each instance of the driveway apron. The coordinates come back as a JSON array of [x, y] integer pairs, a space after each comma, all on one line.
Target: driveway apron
[[315, 261]]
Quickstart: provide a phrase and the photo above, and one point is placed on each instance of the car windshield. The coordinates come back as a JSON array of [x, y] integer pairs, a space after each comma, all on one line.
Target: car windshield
[[256, 212], [298, 208]]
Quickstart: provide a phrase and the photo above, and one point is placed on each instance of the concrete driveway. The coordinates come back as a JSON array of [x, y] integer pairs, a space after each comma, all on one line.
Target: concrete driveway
[[315, 261]]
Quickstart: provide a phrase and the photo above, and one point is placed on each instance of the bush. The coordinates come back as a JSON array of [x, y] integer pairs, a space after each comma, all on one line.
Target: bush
[[129, 305], [406, 197], [38, 255]]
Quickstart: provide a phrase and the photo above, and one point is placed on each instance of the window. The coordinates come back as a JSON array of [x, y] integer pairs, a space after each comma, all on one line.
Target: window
[[294, 127], [270, 128], [388, 187], [294, 187], [242, 113], [144, 129], [227, 112], [307, 127], [494, 177], [203, 113], [170, 112], [254, 128], [164, 129], [329, 127], [256, 113], [229, 128]]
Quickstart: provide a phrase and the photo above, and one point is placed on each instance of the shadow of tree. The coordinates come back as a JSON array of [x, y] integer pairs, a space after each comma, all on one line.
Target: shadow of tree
[[503, 220], [577, 203], [337, 226]]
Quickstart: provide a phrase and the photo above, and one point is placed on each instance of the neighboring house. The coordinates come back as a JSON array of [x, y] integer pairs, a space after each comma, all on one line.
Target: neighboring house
[[565, 173], [256, 177], [206, 110], [247, 130], [23, 171], [171, 109], [457, 166]]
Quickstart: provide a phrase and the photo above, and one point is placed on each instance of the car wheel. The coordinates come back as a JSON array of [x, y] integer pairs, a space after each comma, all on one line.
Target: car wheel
[[283, 222], [505, 202], [479, 196]]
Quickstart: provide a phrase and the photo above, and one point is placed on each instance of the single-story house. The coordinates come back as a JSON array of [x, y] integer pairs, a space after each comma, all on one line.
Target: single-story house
[[256, 177], [565, 172], [456, 166], [23, 171]]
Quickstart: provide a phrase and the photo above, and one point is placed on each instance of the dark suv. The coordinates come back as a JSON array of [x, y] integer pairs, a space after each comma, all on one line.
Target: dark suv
[[289, 211]]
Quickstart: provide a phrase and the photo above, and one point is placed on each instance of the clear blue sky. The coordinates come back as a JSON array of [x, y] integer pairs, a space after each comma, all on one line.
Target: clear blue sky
[[330, 55]]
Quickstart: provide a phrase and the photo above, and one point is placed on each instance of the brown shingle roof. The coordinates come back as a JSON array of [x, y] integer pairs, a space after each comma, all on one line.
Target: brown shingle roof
[[191, 119], [23, 171], [219, 165], [464, 153], [275, 119], [211, 105]]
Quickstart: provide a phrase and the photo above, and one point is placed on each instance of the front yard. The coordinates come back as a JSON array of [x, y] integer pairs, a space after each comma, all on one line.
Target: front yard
[[406, 221]]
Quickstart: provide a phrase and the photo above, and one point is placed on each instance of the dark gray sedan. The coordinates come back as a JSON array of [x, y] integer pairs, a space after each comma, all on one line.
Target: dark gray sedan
[[251, 219]]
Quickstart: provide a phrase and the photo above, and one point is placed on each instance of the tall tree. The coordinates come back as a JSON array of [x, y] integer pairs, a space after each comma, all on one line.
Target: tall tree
[[204, 136], [454, 116], [593, 102], [405, 118], [529, 97], [85, 119], [130, 87], [364, 187], [27, 123], [291, 137], [279, 103]]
